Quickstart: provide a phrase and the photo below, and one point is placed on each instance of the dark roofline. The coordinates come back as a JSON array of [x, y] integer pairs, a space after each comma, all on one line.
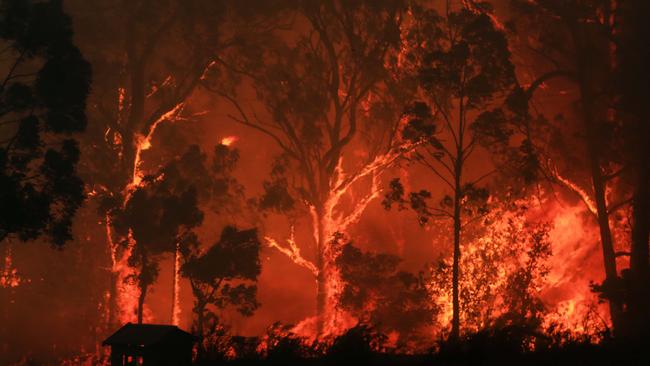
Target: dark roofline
[[147, 334]]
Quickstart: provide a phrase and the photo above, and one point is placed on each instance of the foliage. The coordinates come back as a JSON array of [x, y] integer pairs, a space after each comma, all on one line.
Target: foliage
[[225, 274], [503, 270], [379, 294], [357, 344], [42, 102]]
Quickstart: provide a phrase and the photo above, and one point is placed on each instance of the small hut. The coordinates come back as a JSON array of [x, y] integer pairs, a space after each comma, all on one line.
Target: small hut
[[150, 345]]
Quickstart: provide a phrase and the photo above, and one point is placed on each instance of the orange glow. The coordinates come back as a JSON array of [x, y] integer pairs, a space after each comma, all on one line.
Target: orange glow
[[9, 276], [335, 220], [176, 302], [229, 140], [144, 143]]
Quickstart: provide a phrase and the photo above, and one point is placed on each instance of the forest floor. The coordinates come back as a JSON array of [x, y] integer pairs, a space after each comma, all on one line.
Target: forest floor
[[575, 355]]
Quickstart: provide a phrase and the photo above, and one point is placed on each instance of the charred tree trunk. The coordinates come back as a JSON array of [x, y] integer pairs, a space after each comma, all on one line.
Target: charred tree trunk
[[141, 297], [200, 320], [602, 214], [594, 64], [607, 245], [638, 318], [634, 37]]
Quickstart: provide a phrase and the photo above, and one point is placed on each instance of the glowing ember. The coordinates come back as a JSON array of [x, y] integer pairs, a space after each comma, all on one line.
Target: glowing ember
[[9, 276], [229, 140]]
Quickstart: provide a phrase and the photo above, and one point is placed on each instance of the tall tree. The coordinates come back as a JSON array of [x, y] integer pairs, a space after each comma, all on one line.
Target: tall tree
[[42, 103], [320, 87], [152, 59], [572, 42], [634, 78], [464, 68]]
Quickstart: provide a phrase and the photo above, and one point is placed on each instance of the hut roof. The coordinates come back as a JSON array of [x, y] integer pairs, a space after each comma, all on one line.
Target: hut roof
[[148, 334]]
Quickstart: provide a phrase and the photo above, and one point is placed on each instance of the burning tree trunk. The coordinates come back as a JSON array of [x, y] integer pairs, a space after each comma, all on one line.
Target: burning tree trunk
[[321, 276], [458, 196], [176, 309], [149, 85]]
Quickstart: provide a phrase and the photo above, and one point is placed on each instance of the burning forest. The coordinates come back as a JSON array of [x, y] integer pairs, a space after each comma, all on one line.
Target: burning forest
[[395, 182]]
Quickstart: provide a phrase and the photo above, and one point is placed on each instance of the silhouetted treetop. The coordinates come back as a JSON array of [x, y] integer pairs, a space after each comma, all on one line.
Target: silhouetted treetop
[[42, 100]]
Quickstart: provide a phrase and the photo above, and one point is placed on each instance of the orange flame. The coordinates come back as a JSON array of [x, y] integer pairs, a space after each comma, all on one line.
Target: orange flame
[[229, 140]]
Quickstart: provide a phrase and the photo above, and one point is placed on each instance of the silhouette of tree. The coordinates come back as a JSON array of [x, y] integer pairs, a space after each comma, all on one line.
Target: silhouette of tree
[[382, 296], [42, 102], [464, 68], [225, 274], [357, 345], [632, 89]]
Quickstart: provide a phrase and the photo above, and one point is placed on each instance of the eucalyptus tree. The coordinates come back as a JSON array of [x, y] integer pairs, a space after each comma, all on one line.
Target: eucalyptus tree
[[464, 69], [324, 86]]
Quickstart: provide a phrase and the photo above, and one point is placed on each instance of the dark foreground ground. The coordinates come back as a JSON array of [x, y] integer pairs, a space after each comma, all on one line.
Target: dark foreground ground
[[574, 355]]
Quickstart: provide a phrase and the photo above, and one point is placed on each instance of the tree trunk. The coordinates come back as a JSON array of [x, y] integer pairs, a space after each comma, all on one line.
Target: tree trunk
[[200, 310], [607, 245], [602, 215], [143, 294], [175, 286], [455, 322]]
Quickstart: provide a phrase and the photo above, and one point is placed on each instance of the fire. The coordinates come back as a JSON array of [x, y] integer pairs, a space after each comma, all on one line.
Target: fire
[[229, 140], [143, 142], [176, 302], [293, 252], [563, 288], [584, 195], [9, 276], [335, 222], [126, 290]]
